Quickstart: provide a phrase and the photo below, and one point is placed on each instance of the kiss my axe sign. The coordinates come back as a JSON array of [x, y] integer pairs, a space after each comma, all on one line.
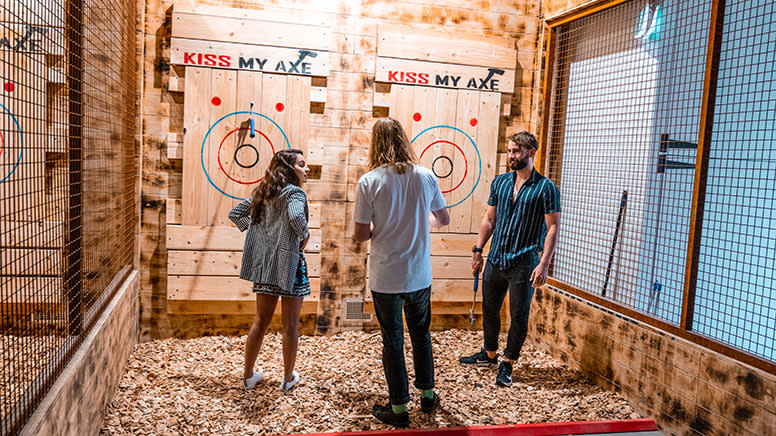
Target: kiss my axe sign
[[249, 57], [412, 72]]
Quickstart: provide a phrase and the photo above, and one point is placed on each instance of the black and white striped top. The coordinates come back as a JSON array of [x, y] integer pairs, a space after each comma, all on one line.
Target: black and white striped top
[[520, 226], [271, 249]]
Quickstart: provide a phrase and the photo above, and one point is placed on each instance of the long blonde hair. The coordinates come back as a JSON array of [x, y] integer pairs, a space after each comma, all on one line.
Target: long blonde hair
[[390, 146]]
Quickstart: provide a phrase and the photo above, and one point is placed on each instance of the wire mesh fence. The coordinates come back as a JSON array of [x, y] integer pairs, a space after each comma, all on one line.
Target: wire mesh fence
[[736, 291], [67, 175], [626, 111]]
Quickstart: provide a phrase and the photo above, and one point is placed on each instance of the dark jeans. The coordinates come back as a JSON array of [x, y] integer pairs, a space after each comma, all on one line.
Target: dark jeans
[[494, 288], [417, 311]]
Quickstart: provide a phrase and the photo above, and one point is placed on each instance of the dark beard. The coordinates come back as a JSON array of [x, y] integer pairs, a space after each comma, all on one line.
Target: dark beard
[[518, 165]]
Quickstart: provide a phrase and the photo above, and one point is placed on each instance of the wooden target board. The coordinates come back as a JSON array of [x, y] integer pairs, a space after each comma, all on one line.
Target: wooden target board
[[247, 95], [454, 133], [224, 157], [447, 91]]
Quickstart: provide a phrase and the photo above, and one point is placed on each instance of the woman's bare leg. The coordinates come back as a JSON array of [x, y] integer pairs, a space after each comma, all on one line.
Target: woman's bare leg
[[265, 308], [291, 308]]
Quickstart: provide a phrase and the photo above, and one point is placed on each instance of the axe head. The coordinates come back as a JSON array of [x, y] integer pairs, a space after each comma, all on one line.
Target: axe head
[[309, 53]]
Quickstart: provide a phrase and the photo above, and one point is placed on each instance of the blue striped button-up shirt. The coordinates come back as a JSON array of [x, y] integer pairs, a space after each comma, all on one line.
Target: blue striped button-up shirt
[[520, 226]]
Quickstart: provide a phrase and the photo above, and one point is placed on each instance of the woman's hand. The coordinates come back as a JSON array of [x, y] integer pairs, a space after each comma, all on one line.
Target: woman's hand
[[304, 242]]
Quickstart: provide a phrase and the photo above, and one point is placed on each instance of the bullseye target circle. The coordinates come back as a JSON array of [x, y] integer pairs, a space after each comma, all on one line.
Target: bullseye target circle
[[433, 165], [237, 161], [249, 146], [438, 162], [9, 159]]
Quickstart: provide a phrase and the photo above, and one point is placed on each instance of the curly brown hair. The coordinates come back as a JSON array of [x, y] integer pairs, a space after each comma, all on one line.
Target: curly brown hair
[[279, 174], [390, 146]]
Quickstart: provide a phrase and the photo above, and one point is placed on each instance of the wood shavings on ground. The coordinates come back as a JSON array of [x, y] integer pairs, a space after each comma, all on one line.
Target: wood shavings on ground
[[194, 387]]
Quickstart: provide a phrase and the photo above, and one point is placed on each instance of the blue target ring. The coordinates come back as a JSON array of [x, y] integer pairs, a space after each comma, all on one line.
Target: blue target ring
[[479, 159], [204, 141], [21, 144]]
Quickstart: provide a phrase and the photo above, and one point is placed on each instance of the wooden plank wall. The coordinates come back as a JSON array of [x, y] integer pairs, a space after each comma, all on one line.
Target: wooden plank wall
[[338, 139]]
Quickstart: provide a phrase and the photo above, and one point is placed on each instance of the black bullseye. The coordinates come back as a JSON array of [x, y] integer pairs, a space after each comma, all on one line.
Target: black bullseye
[[237, 152], [449, 164]]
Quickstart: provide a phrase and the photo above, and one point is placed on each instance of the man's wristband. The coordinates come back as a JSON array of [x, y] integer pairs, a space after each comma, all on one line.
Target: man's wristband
[[476, 249]]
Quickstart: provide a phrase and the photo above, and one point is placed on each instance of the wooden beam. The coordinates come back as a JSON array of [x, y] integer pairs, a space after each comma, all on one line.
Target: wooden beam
[[218, 288], [454, 244], [266, 13], [463, 48], [218, 307], [174, 211], [702, 162], [220, 263], [546, 93], [176, 84], [206, 238], [582, 11], [249, 30]]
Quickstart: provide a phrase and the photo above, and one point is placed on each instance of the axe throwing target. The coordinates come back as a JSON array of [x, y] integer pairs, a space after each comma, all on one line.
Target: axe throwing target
[[442, 165], [246, 155]]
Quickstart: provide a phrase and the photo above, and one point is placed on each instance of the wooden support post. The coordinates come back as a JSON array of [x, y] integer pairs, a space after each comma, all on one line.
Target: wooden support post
[[702, 162]]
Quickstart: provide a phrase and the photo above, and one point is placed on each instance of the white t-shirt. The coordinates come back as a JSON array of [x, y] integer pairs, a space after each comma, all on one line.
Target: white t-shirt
[[398, 205]]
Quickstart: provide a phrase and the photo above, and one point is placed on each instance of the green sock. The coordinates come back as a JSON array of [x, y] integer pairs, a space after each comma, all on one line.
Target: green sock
[[399, 408], [427, 393]]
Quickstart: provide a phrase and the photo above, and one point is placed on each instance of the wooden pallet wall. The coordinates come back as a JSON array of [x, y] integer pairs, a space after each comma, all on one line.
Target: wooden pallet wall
[[181, 302]]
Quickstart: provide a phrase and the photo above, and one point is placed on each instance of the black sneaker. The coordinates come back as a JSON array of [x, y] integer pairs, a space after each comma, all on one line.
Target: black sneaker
[[504, 377], [479, 359], [386, 415], [428, 405]]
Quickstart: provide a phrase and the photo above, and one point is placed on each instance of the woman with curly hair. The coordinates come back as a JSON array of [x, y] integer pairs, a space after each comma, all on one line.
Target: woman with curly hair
[[273, 258]]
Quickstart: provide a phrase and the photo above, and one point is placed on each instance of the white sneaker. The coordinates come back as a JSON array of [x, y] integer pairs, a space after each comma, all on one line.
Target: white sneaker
[[250, 383], [287, 385]]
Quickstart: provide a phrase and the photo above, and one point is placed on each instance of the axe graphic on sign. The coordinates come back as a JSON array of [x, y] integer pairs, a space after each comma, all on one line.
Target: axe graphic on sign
[[302, 54], [491, 72]]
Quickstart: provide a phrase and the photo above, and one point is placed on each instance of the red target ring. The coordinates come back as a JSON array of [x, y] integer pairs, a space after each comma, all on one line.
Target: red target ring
[[465, 161], [2, 143], [220, 165]]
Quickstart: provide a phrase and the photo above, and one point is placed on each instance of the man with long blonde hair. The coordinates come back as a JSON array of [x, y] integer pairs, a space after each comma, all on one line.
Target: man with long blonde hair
[[396, 203]]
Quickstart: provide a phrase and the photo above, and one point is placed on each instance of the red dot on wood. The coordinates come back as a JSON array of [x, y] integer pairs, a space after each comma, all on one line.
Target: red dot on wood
[[8, 86], [416, 117], [216, 101], [279, 107], [473, 122]]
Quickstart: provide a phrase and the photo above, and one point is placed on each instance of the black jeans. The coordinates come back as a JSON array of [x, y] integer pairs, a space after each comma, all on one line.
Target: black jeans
[[417, 311], [494, 288]]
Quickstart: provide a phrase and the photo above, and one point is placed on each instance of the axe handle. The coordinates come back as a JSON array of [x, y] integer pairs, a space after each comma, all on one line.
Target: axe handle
[[476, 281]]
